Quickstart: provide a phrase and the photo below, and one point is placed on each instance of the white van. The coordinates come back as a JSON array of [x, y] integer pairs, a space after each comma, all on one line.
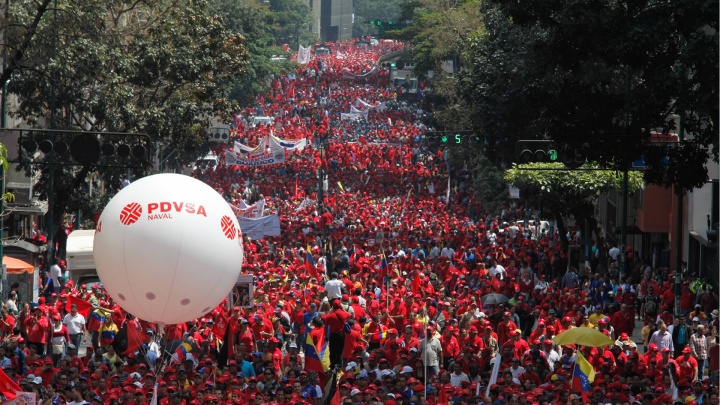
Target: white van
[[255, 121], [79, 256], [210, 160]]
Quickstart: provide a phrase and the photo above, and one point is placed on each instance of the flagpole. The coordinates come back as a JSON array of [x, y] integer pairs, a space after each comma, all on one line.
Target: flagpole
[[427, 341], [572, 380]]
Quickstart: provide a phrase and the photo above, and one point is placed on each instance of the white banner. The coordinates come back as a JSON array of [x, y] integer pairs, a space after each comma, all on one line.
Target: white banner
[[350, 117], [258, 228], [303, 56], [287, 144], [494, 375], [24, 398], [232, 159], [305, 202], [349, 75], [252, 211], [249, 150], [357, 111], [360, 103]]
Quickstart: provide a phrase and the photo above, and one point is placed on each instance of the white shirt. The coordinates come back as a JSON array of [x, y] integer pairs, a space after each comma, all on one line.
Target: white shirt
[[516, 372], [333, 288], [11, 307], [497, 269], [55, 274], [457, 379], [447, 252], [74, 324]]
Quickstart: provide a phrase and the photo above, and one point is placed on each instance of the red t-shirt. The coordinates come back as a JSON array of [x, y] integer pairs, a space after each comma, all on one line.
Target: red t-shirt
[[37, 329], [336, 320], [687, 366]]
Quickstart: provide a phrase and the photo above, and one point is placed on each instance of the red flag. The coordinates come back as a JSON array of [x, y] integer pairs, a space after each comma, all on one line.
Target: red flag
[[416, 283], [136, 337], [83, 306], [8, 387], [337, 398]]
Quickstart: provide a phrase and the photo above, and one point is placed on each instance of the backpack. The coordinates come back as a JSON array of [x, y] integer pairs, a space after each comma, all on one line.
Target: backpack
[[651, 307]]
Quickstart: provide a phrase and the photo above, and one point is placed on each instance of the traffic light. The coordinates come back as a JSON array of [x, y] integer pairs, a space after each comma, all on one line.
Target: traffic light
[[451, 138], [546, 151], [572, 157], [536, 151]]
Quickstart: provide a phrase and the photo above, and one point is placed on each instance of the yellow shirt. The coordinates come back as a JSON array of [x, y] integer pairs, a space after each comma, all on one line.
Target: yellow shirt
[[595, 317]]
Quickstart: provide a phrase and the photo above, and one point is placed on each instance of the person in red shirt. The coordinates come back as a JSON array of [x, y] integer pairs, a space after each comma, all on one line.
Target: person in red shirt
[[359, 310], [623, 321], [505, 327], [451, 348], [75, 360], [519, 345], [473, 340], [175, 332], [46, 372], [398, 313], [688, 365], [245, 336], [276, 353], [38, 327], [336, 320]]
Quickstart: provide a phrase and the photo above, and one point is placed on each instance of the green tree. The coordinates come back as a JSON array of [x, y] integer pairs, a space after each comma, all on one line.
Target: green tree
[[439, 32], [600, 76], [158, 67], [568, 193], [486, 180], [253, 21], [291, 19]]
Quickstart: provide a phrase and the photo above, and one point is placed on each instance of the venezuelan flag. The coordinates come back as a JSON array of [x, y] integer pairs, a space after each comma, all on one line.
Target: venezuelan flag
[[310, 266], [96, 319], [182, 351], [107, 334], [583, 374], [316, 359], [381, 335]]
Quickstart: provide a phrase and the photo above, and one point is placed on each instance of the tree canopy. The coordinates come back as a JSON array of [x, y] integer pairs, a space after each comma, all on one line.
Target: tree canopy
[[601, 77], [158, 67], [256, 23], [568, 193]]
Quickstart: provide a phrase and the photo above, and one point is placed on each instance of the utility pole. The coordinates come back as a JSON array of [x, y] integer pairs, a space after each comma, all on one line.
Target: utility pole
[[678, 233]]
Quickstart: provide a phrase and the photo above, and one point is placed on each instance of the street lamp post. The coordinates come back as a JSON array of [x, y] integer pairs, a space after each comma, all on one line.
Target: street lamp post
[[322, 174]]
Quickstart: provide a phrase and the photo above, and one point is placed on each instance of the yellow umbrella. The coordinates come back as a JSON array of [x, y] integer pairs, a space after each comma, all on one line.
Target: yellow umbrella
[[583, 337]]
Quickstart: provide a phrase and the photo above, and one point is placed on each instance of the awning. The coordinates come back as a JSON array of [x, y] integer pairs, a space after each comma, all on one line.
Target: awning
[[17, 266]]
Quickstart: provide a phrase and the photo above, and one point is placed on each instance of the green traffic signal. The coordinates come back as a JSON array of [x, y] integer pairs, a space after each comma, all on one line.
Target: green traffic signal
[[444, 139], [552, 155]]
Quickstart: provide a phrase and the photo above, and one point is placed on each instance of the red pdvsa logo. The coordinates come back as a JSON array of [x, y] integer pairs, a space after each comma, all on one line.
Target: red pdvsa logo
[[228, 227], [130, 213]]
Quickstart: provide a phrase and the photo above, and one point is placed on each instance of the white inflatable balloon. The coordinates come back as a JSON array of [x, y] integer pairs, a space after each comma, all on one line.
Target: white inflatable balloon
[[168, 248]]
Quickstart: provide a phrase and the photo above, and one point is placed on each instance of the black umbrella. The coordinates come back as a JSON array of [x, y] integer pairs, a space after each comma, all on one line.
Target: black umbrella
[[169, 348], [494, 299]]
